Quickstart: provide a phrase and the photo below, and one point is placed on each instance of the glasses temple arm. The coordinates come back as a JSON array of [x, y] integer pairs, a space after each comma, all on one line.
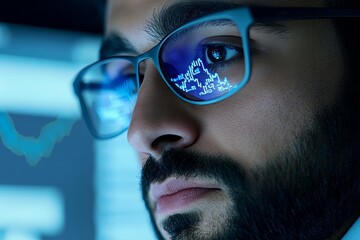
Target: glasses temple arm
[[270, 13]]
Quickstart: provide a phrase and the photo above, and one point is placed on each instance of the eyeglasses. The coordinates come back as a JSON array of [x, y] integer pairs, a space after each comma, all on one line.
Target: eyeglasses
[[203, 62]]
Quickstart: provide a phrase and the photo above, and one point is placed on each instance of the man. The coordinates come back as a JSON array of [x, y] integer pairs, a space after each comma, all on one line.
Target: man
[[246, 118]]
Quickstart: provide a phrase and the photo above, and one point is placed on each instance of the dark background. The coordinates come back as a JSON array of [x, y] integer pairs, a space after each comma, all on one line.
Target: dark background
[[71, 165], [74, 15]]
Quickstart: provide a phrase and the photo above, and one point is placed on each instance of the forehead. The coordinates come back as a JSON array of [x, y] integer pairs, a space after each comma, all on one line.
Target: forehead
[[130, 18]]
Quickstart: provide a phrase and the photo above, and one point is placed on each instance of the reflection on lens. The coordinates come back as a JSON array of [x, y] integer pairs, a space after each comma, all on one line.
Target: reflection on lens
[[110, 92], [201, 82], [205, 61]]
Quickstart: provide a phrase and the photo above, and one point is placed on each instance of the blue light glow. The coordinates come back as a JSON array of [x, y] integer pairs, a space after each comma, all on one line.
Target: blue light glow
[[120, 211], [36, 76], [31, 209], [33, 148], [201, 82]]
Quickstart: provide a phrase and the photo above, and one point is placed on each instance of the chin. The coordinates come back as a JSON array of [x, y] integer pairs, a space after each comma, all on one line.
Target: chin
[[195, 222]]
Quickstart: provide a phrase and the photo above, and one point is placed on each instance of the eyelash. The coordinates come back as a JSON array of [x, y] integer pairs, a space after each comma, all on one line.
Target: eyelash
[[216, 66]]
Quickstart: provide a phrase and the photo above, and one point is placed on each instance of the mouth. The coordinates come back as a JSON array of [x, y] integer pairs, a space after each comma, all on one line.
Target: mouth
[[175, 194]]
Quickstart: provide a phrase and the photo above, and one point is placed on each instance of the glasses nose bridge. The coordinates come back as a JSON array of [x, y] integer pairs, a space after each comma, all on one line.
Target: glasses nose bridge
[[152, 54]]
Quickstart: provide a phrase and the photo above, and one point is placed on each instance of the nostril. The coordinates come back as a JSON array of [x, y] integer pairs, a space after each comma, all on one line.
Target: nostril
[[165, 141]]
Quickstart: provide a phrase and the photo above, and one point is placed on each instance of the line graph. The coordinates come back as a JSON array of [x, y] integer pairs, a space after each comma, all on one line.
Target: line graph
[[200, 80], [32, 148]]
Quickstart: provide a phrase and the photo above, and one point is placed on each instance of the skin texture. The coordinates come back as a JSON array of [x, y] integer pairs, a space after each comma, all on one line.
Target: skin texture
[[275, 99], [253, 125]]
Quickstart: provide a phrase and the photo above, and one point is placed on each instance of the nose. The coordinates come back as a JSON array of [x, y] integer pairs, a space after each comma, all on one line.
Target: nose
[[160, 119]]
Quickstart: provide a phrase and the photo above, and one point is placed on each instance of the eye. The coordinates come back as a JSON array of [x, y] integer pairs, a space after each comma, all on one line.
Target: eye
[[220, 53]]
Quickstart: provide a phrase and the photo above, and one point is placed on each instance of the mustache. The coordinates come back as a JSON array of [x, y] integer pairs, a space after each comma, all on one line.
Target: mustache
[[181, 163], [312, 182], [187, 164]]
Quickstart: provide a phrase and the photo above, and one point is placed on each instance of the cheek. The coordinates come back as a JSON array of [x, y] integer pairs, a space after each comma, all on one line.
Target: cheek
[[257, 126], [280, 101], [142, 157]]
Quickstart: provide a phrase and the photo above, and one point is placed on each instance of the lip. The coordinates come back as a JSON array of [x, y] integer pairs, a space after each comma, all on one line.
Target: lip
[[174, 193]]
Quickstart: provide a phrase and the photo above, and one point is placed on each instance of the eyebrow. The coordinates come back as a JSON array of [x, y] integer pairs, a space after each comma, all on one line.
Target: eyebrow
[[161, 23], [115, 43], [170, 17]]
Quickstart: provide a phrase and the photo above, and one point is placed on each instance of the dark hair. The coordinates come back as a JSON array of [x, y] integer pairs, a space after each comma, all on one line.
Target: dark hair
[[101, 6], [349, 32]]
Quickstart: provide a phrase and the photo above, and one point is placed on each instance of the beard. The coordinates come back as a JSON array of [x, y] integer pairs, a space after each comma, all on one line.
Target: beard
[[308, 191]]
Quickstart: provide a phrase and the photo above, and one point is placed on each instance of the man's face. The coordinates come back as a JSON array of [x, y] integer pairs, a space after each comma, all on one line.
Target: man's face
[[206, 161]]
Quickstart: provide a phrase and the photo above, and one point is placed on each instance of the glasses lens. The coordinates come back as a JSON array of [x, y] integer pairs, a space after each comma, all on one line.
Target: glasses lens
[[205, 61], [109, 92]]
